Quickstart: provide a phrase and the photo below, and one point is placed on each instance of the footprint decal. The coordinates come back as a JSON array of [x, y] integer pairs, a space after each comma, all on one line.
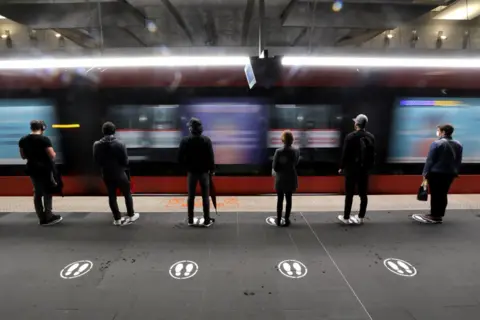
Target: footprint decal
[[400, 267], [183, 269], [292, 269], [76, 269]]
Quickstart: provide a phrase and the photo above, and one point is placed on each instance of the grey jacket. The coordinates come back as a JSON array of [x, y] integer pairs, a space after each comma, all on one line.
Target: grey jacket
[[284, 166]]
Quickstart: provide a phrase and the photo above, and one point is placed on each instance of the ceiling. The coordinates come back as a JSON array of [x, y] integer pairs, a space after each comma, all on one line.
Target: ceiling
[[304, 24]]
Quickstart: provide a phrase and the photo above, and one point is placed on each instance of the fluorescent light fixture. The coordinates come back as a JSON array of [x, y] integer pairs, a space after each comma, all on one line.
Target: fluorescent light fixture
[[2, 18], [461, 10], [133, 62], [382, 62], [439, 8]]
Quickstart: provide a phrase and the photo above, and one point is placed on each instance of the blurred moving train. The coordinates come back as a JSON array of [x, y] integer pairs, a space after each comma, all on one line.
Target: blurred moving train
[[152, 106]]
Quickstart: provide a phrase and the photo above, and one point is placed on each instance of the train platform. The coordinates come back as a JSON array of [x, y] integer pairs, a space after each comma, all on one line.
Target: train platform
[[242, 267]]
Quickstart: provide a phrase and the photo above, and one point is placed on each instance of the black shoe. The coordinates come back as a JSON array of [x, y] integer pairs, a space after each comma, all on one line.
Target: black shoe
[[54, 219], [208, 222], [287, 222]]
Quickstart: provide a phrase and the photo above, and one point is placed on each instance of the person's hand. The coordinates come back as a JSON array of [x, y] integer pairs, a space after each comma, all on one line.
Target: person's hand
[[212, 173], [340, 171]]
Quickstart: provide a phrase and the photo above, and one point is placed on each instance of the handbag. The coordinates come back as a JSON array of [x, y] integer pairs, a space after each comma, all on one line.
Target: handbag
[[422, 194]]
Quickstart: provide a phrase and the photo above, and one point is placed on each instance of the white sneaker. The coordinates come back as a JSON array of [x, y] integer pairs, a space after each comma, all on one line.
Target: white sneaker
[[121, 222], [357, 220], [345, 221], [133, 218]]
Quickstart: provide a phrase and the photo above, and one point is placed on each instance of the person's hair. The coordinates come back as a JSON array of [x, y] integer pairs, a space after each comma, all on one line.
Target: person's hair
[[447, 129], [37, 125], [108, 128], [287, 138]]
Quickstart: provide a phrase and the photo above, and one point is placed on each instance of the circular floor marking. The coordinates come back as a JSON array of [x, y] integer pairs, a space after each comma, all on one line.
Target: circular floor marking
[[76, 269], [271, 221], [400, 267], [292, 269], [183, 269]]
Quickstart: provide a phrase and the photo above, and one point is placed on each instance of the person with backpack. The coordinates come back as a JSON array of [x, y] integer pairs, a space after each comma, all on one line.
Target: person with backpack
[[441, 168], [111, 155], [357, 160], [196, 155], [38, 150]]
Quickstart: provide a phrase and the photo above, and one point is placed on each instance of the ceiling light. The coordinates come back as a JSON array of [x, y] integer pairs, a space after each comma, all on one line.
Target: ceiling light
[[382, 62], [461, 10], [439, 8], [124, 62], [58, 35], [4, 36], [2, 18]]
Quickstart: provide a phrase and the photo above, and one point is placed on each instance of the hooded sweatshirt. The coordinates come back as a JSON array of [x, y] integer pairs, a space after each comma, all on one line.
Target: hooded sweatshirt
[[196, 152], [111, 155]]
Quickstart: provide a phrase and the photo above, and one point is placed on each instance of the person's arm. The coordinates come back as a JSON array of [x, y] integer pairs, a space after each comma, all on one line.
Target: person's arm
[[459, 157], [211, 156], [123, 155], [275, 162], [181, 152], [345, 153], [49, 148], [297, 155], [431, 159], [20, 149]]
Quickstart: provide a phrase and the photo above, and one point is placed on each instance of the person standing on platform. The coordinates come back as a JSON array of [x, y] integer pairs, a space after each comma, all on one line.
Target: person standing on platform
[[111, 155], [284, 166], [37, 149], [441, 168], [358, 158], [196, 155]]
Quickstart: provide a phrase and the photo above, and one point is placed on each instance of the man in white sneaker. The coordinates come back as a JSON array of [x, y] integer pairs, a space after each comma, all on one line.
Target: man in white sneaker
[[111, 155], [358, 158]]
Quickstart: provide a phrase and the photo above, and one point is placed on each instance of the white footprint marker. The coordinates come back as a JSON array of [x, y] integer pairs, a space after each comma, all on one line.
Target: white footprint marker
[[287, 268], [188, 270], [299, 269], [400, 267], [81, 269], [183, 269], [178, 269], [76, 269], [71, 269]]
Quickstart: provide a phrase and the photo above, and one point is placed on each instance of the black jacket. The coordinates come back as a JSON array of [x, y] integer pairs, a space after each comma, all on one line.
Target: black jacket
[[111, 155], [351, 154], [196, 154]]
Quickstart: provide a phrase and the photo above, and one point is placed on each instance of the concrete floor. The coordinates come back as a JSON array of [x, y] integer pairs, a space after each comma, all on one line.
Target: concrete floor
[[239, 276]]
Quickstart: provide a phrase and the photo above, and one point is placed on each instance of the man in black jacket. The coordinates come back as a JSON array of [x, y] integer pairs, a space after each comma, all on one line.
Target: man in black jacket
[[441, 168], [111, 155], [358, 158], [37, 149], [196, 155]]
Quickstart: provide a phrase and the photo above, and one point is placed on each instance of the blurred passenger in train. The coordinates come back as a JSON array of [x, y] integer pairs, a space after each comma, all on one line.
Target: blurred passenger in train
[[284, 166], [111, 155], [37, 149], [358, 158], [196, 155], [441, 168]]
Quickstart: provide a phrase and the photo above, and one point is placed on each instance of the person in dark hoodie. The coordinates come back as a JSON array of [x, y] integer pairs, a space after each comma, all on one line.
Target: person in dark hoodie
[[358, 158], [111, 155], [196, 155], [441, 168], [37, 149]]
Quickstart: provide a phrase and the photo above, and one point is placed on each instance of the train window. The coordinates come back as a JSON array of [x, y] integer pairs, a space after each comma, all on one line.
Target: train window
[[301, 117]]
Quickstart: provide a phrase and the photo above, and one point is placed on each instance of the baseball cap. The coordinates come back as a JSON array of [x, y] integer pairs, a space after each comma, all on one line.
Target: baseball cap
[[361, 120]]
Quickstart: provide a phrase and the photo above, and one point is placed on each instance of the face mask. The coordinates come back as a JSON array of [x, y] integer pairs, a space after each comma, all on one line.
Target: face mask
[[438, 133]]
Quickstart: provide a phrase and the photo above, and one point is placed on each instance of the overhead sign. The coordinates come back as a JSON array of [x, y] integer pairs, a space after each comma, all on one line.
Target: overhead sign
[[76, 269], [400, 267], [292, 269]]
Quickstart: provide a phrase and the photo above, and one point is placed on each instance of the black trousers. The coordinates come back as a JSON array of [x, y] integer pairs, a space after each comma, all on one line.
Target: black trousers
[[439, 184], [192, 180], [119, 182], [288, 207], [42, 198], [357, 180]]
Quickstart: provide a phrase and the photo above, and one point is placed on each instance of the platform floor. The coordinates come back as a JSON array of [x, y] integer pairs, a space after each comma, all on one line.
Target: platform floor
[[238, 275]]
